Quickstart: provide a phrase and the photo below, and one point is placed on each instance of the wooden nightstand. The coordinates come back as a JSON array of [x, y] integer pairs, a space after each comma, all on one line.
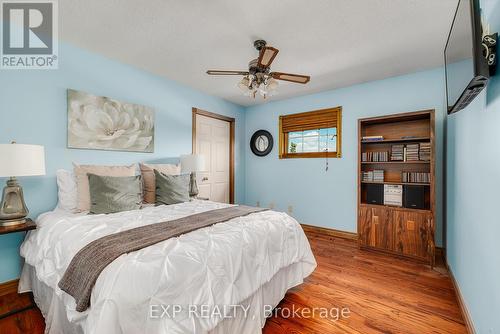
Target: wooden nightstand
[[29, 225], [10, 301]]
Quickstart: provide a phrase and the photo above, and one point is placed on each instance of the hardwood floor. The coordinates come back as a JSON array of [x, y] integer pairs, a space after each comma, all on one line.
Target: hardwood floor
[[383, 294], [29, 321]]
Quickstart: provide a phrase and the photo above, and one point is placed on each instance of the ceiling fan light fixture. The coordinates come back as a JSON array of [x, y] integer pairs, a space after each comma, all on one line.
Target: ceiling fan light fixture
[[259, 79], [272, 84], [243, 84], [263, 91]]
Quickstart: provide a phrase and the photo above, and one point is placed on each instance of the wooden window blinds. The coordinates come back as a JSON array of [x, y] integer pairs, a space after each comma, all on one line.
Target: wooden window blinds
[[313, 134]]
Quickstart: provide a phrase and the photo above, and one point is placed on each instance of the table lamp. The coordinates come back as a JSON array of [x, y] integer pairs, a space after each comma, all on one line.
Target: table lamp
[[18, 160], [192, 163]]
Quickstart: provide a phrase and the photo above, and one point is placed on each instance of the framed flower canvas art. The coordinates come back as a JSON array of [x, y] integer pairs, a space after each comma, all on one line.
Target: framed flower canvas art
[[102, 123]]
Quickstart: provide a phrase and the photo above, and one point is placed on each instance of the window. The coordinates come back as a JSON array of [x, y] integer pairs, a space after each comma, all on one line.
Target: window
[[313, 134]]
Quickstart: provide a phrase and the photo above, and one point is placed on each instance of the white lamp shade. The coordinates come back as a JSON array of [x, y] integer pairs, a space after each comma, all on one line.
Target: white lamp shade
[[21, 160], [192, 163]]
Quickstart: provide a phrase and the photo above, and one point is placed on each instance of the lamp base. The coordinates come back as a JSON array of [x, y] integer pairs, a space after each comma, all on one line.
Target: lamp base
[[5, 223], [193, 187], [13, 210]]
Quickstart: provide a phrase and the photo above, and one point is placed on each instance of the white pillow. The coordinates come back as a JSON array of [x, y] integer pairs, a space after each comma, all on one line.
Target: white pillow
[[67, 191]]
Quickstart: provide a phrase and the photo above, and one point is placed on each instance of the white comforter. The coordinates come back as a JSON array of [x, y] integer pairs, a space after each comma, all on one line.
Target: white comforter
[[220, 265]]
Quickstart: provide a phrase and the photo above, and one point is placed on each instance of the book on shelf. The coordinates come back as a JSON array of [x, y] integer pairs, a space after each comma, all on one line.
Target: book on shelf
[[416, 177], [375, 156], [373, 176], [372, 138], [378, 175], [411, 152], [397, 152], [367, 176], [425, 151]]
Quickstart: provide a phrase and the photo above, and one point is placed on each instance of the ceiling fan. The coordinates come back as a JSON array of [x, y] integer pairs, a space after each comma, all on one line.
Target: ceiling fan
[[259, 77]]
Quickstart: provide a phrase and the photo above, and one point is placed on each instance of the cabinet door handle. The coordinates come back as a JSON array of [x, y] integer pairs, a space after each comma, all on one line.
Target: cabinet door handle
[[410, 225], [373, 231]]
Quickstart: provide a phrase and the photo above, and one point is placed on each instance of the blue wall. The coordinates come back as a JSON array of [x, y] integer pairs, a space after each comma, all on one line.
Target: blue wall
[[328, 199], [473, 222], [33, 111]]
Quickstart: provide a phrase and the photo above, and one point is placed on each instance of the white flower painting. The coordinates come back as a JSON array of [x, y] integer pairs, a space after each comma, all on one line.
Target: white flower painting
[[101, 123]]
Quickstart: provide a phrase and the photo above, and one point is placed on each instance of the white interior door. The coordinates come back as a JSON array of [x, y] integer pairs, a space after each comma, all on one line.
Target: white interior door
[[213, 141]]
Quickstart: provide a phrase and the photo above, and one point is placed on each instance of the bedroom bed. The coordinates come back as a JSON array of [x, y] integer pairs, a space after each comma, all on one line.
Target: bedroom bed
[[219, 279]]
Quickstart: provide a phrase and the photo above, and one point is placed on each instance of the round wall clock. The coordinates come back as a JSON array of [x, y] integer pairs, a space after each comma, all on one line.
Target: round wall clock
[[261, 143]]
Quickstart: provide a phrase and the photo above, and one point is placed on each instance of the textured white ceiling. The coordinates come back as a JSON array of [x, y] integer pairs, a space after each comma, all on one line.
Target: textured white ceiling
[[337, 42]]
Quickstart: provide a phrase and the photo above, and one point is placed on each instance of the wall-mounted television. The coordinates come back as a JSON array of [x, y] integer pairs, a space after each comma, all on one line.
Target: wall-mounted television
[[467, 70]]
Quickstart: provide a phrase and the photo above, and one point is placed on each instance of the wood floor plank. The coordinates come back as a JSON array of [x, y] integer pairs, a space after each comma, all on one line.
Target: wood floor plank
[[28, 322]]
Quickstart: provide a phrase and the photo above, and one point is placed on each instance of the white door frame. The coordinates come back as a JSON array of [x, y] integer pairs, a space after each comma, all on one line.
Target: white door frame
[[231, 121]]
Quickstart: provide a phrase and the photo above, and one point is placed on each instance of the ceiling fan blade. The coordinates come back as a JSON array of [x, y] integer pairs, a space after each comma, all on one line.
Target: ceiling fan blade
[[297, 78], [220, 72], [266, 56]]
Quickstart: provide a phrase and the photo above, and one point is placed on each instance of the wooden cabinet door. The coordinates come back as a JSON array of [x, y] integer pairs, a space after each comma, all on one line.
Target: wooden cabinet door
[[412, 233], [382, 231], [376, 228], [364, 225]]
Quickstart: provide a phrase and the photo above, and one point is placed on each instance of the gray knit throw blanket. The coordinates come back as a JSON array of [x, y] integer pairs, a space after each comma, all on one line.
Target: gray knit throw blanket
[[86, 266]]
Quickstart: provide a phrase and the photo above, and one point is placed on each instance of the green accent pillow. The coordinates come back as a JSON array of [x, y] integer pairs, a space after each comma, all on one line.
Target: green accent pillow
[[109, 194], [171, 189]]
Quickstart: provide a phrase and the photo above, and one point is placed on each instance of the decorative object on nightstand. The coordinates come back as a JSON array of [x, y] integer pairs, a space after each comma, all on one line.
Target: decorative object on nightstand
[[18, 160], [192, 163]]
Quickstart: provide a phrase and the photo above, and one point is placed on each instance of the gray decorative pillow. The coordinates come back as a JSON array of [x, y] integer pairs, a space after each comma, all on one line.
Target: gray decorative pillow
[[171, 189], [109, 194]]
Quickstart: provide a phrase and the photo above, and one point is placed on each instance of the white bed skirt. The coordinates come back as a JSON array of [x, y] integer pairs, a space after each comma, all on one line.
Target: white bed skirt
[[270, 294]]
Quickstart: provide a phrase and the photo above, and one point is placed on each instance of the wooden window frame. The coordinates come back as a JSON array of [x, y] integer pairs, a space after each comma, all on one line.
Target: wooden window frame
[[283, 138]]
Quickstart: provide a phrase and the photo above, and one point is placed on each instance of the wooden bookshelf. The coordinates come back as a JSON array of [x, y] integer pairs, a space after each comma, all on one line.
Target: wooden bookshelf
[[401, 183], [397, 140], [394, 162], [401, 230]]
